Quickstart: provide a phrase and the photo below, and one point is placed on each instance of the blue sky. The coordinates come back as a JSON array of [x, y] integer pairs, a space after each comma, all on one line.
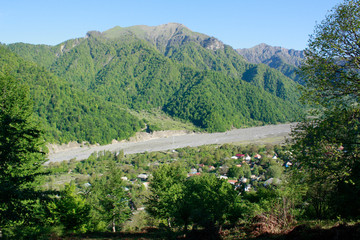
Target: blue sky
[[238, 23]]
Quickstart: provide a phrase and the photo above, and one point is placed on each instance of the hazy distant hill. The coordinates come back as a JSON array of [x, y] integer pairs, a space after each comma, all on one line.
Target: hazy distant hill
[[282, 59], [187, 75]]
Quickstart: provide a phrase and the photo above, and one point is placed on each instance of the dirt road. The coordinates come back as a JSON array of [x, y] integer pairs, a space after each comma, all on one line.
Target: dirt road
[[172, 142]]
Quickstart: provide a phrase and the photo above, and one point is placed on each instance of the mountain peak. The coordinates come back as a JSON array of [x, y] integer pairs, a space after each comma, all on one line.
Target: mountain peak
[[165, 35], [262, 52]]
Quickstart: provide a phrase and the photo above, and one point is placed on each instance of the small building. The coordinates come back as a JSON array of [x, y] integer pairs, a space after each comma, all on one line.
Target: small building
[[272, 181], [257, 156], [143, 176], [243, 179], [232, 182], [193, 171]]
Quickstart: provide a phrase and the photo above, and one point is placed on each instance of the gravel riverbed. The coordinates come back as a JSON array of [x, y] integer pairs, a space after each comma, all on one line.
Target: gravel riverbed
[[173, 141]]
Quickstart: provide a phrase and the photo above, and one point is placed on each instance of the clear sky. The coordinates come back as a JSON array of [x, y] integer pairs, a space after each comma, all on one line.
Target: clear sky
[[238, 23]]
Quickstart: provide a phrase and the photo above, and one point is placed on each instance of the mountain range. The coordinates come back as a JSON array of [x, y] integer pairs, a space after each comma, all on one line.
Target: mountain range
[[282, 59], [87, 89]]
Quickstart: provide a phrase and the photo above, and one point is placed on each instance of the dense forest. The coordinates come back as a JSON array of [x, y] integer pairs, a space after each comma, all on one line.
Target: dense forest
[[67, 113], [191, 77], [306, 188]]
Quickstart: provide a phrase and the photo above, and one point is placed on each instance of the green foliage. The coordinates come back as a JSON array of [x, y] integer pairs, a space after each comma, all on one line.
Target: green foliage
[[21, 156], [213, 89], [326, 146], [216, 102], [67, 113], [109, 201], [327, 149], [210, 200], [331, 69], [203, 200], [166, 190], [275, 170], [70, 210]]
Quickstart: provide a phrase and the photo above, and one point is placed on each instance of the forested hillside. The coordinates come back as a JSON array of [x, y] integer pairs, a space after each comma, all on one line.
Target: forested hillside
[[67, 113], [282, 59], [188, 75]]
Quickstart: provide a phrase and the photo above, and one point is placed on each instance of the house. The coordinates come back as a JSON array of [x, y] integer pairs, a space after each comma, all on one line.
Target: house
[[239, 155], [195, 174], [274, 157], [211, 168], [124, 178], [233, 182], [288, 164], [247, 188], [223, 177], [243, 179], [193, 171], [234, 157], [257, 156], [238, 165], [248, 158], [143, 176], [272, 181]]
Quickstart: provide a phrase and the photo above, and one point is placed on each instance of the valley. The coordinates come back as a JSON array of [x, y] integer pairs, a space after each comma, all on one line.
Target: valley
[[174, 140], [163, 132]]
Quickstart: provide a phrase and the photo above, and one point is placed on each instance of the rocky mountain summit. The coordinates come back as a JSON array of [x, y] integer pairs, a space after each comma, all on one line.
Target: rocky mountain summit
[[165, 36], [282, 59], [266, 54]]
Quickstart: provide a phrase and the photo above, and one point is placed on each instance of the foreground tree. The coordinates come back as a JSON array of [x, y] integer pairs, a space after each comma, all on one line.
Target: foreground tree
[[167, 191], [211, 201], [331, 68], [109, 200], [21, 155], [70, 210], [326, 146]]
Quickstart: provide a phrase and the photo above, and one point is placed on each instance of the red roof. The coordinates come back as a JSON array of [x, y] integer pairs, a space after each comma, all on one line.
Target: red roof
[[232, 181], [240, 155]]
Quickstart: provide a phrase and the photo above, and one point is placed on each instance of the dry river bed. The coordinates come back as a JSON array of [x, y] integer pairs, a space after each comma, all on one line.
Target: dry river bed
[[171, 141]]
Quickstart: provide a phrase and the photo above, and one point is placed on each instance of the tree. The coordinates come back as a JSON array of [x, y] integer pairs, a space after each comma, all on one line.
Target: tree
[[70, 210], [167, 189], [21, 154], [109, 200], [326, 146], [235, 172], [211, 201], [331, 69]]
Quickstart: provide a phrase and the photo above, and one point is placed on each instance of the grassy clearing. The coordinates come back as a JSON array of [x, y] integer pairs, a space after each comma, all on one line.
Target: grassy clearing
[[157, 118]]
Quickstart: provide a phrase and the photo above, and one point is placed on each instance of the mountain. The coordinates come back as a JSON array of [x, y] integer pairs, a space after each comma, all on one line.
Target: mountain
[[282, 59], [66, 113], [187, 75]]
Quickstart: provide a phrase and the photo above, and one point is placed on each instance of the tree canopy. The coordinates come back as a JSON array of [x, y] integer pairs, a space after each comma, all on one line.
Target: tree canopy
[[327, 144], [21, 153], [331, 68]]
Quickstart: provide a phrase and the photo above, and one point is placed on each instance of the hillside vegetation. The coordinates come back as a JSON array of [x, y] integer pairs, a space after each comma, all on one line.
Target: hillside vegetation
[[189, 76], [285, 60]]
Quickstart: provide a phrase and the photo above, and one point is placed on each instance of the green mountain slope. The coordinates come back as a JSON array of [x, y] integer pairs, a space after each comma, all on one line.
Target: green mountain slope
[[282, 59], [187, 75], [66, 113]]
